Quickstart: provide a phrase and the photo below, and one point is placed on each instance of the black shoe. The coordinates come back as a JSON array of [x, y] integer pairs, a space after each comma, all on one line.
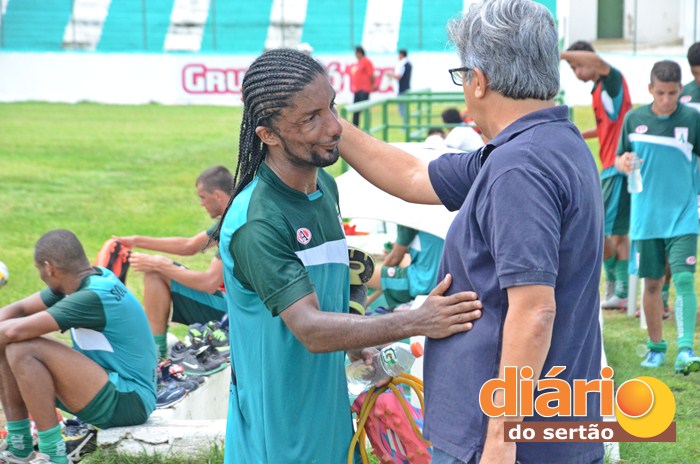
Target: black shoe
[[358, 299]]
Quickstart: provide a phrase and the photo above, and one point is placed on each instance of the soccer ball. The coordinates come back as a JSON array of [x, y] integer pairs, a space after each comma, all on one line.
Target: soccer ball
[[4, 274]]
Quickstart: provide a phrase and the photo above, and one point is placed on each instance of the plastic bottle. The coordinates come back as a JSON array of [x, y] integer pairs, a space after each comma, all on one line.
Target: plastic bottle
[[391, 361], [634, 178]]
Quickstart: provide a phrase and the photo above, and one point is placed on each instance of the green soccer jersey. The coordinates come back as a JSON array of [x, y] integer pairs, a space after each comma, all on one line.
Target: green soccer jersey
[[667, 205], [108, 325], [425, 250], [279, 245], [690, 95]]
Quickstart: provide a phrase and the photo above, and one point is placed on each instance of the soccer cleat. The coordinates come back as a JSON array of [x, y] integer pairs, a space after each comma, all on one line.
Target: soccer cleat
[[614, 302], [687, 362], [653, 359], [171, 373], [6, 457], [358, 299], [390, 432], [217, 338], [361, 266], [196, 335], [196, 361], [80, 439]]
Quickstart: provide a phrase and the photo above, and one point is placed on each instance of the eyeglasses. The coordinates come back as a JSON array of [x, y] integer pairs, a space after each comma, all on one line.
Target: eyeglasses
[[457, 74]]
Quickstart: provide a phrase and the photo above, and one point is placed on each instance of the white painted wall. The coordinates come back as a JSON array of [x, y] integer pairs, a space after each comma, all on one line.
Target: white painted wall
[[579, 18], [658, 21], [216, 79], [690, 22]]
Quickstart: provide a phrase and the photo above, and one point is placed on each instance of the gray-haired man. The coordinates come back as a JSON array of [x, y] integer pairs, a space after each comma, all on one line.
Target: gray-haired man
[[528, 236]]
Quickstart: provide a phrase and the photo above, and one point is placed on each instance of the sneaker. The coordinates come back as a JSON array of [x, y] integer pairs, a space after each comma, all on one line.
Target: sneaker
[[614, 302], [80, 438], [6, 457], [169, 395], [687, 362], [41, 458], [361, 266], [390, 432], [195, 361], [653, 359], [172, 373]]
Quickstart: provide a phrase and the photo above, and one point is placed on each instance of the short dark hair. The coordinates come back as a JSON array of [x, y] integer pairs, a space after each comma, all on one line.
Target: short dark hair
[[451, 116], [360, 50], [62, 249], [694, 54], [666, 71], [216, 178], [581, 46], [403, 52], [436, 130]]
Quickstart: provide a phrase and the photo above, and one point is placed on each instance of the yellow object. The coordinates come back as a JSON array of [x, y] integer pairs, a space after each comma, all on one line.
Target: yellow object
[[360, 436]]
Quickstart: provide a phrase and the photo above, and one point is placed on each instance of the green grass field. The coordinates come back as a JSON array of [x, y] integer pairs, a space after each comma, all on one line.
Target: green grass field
[[117, 170]]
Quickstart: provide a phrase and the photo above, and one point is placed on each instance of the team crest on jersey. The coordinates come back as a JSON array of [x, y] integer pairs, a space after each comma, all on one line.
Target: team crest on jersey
[[686, 99], [641, 129], [391, 272], [691, 260], [303, 235], [681, 134]]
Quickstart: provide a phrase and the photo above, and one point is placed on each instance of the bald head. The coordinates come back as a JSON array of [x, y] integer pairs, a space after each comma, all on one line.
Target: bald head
[[62, 249]]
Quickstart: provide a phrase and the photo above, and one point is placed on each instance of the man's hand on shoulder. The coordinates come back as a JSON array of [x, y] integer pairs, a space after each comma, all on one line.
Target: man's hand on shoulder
[[441, 316]]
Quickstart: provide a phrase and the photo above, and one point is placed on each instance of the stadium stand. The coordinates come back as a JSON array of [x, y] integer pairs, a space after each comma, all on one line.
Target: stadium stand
[[35, 25], [235, 27]]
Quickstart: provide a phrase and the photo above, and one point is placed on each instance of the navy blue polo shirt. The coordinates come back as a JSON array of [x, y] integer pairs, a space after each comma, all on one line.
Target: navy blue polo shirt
[[530, 213]]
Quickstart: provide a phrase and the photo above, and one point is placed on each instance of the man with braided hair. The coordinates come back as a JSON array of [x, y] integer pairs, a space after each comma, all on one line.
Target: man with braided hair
[[286, 272]]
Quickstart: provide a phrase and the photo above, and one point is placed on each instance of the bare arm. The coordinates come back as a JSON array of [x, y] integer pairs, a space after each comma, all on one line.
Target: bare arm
[[22, 308], [207, 281], [585, 58], [590, 133], [395, 255], [182, 246], [438, 317], [26, 328], [527, 335], [374, 159]]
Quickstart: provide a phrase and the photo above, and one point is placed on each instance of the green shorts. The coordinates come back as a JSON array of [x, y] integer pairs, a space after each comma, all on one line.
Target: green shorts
[[192, 306], [111, 408], [395, 287], [616, 201], [681, 252]]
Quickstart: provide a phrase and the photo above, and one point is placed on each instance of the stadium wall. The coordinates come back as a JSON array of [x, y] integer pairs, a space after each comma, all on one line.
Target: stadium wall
[[186, 79]]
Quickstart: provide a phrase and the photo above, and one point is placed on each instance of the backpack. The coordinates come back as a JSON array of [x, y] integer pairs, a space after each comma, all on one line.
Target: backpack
[[114, 255], [392, 424]]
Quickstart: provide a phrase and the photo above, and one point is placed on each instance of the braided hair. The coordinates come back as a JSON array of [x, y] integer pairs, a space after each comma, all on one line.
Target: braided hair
[[269, 86]]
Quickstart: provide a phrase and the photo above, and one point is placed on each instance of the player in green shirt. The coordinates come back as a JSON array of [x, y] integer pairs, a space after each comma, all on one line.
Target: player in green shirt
[[195, 296], [286, 269], [664, 215], [107, 379]]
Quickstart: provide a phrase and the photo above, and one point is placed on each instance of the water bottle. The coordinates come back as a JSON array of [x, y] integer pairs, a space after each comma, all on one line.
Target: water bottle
[[391, 361], [634, 178]]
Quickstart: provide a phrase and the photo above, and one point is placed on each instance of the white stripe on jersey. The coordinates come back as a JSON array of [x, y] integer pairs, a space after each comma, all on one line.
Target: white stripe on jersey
[[91, 340], [329, 252], [685, 147]]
